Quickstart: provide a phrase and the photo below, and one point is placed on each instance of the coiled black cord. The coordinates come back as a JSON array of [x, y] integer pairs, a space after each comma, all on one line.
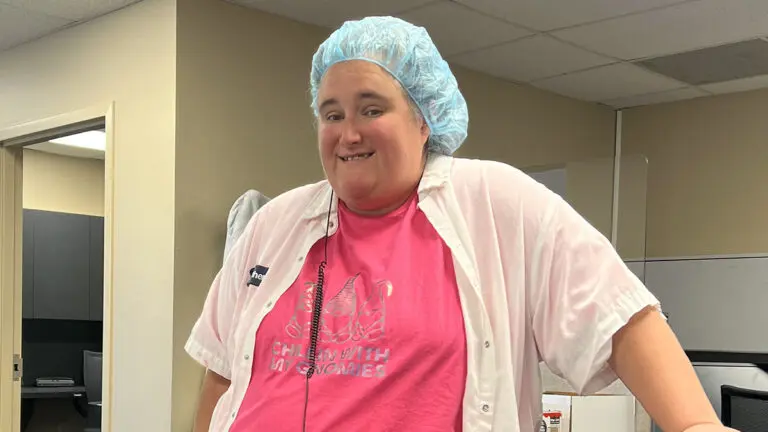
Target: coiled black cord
[[316, 314], [317, 311]]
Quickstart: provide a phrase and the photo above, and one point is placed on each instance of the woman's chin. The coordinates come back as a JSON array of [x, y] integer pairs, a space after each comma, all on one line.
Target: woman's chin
[[354, 191]]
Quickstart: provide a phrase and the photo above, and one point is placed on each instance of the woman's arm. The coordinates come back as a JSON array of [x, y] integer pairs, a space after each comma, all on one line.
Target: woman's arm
[[214, 385], [649, 360]]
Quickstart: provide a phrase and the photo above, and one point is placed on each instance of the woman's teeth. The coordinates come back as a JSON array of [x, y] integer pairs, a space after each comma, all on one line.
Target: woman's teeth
[[357, 157]]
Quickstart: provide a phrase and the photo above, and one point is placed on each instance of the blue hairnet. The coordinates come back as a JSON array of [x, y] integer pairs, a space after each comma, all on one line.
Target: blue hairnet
[[409, 55]]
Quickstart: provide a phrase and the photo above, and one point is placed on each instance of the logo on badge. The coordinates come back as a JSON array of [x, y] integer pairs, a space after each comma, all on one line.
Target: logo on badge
[[257, 275]]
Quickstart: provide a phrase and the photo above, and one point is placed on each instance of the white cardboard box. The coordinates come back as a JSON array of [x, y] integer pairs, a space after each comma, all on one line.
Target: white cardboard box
[[561, 404], [597, 413]]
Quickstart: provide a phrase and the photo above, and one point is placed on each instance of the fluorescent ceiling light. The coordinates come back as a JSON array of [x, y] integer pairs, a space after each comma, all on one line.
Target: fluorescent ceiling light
[[94, 140]]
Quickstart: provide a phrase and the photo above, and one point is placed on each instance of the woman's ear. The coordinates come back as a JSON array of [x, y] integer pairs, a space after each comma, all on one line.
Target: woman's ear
[[424, 130]]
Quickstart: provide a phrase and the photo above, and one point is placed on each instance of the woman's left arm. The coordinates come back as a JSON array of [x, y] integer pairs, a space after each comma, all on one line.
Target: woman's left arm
[[650, 361], [593, 320]]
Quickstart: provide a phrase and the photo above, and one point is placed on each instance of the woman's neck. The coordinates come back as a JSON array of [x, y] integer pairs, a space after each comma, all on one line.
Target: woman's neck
[[395, 203], [379, 211]]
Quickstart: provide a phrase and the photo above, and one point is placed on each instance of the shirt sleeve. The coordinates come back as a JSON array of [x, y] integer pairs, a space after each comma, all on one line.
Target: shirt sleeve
[[210, 342], [581, 294]]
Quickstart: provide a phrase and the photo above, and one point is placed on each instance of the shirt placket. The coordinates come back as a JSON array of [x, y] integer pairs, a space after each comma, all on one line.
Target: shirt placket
[[480, 345], [244, 365], [481, 363]]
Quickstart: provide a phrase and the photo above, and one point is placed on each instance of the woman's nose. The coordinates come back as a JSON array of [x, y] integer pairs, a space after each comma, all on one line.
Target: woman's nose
[[350, 133]]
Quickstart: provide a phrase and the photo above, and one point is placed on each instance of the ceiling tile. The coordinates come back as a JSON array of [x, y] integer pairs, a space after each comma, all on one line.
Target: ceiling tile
[[654, 98], [18, 25], [608, 82], [683, 27], [553, 14], [331, 13], [530, 58], [716, 64], [738, 85], [456, 29], [75, 10]]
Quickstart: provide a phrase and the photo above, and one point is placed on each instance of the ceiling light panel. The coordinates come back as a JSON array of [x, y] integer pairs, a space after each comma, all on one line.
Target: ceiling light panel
[[94, 140]]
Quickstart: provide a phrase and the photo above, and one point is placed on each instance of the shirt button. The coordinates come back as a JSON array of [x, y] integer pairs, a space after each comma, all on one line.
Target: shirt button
[[233, 414], [487, 344], [269, 306], [247, 357], [301, 259], [485, 408]]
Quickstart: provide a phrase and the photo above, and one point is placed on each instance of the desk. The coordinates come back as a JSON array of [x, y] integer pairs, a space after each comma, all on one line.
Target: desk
[[33, 392]]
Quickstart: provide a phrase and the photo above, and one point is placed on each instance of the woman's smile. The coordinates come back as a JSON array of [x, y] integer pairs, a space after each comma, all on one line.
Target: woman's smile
[[357, 157]]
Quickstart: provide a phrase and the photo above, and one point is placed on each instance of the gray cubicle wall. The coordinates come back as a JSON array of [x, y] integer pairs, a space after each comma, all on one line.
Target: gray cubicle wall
[[714, 304], [555, 180], [638, 268]]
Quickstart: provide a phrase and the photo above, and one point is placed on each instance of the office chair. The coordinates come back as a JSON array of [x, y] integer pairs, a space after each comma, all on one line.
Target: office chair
[[743, 409], [92, 367]]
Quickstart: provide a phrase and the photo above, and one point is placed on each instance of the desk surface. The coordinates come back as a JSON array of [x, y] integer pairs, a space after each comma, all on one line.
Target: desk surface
[[33, 392]]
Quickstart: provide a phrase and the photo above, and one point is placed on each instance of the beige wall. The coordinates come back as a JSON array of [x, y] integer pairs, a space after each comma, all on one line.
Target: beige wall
[[63, 183], [243, 121], [707, 174], [127, 57], [590, 191], [527, 127], [632, 208]]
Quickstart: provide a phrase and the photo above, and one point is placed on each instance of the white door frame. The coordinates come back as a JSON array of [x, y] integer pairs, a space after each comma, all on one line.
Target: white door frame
[[12, 139]]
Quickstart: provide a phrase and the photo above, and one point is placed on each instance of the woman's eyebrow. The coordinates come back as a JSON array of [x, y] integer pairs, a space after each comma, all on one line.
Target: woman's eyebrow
[[366, 94], [327, 102], [371, 95]]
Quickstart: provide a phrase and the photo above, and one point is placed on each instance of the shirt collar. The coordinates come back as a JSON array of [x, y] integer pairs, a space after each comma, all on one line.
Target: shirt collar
[[436, 174]]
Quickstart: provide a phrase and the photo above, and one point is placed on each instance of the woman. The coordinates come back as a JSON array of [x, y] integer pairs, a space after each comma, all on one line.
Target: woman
[[414, 291]]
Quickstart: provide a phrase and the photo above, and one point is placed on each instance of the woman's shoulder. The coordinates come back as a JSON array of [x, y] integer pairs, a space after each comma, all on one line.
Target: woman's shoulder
[[292, 204], [502, 190], [494, 177]]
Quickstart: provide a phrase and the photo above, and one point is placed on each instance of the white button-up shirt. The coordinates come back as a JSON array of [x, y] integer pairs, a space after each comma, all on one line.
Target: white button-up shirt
[[536, 283]]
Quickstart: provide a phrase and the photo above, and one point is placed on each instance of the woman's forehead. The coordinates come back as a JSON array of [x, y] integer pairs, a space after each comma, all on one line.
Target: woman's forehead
[[359, 76]]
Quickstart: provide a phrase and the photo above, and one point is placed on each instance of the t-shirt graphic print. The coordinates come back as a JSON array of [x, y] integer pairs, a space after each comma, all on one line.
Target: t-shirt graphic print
[[347, 318]]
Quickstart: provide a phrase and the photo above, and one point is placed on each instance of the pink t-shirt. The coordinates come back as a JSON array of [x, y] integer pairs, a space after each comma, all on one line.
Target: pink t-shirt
[[392, 348]]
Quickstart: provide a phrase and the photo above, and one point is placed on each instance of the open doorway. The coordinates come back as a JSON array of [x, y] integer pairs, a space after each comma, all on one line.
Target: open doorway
[[54, 210], [62, 283]]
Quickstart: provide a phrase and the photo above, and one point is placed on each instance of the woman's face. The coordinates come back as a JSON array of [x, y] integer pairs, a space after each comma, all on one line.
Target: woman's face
[[371, 141]]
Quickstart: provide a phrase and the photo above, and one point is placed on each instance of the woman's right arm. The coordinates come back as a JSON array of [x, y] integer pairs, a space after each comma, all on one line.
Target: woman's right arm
[[211, 340], [214, 385]]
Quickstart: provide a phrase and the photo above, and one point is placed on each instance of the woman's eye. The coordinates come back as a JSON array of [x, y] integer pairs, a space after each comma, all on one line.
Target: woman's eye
[[332, 117], [373, 112]]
